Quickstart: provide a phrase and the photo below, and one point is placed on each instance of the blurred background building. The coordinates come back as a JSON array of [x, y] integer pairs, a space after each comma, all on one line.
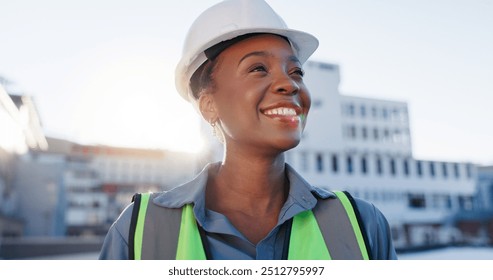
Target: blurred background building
[[20, 131], [51, 189]]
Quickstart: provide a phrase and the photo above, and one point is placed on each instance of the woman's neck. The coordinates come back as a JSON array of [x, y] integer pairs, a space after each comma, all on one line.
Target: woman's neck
[[253, 185], [249, 191]]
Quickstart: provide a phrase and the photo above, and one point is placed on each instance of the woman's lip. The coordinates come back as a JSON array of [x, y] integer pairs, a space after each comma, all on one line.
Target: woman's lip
[[290, 120]]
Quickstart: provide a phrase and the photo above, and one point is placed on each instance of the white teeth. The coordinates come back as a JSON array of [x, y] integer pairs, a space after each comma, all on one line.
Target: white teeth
[[281, 111]]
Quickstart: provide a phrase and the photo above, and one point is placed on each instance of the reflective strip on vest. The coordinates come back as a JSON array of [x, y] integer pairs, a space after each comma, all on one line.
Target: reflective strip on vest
[[139, 228], [189, 242], [300, 246], [174, 234], [354, 223]]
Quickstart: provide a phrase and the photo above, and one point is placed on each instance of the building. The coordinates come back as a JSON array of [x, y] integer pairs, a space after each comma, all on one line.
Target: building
[[477, 224], [20, 130], [86, 187], [485, 188], [364, 145], [107, 177]]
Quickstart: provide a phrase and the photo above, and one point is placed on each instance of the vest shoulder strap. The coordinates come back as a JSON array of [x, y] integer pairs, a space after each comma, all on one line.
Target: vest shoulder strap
[[347, 239], [133, 221], [155, 234]]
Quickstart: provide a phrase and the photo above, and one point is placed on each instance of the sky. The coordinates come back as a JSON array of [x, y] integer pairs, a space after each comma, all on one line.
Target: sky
[[102, 72]]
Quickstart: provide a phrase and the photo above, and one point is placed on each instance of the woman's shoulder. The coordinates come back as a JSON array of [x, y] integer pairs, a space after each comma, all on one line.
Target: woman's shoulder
[[377, 229]]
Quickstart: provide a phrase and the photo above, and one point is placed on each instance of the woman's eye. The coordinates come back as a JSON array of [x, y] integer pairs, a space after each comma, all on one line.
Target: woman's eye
[[299, 72], [258, 68]]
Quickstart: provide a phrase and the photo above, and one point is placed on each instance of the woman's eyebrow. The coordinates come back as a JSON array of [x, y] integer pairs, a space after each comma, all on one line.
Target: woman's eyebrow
[[294, 59], [291, 58], [255, 53]]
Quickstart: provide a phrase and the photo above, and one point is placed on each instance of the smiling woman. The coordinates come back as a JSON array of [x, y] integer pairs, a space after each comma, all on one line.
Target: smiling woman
[[242, 68], [124, 103]]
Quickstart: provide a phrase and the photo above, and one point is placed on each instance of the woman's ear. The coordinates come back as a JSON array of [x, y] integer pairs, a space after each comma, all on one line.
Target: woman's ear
[[207, 107]]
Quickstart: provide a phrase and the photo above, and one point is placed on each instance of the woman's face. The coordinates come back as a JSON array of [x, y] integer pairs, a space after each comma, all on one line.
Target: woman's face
[[259, 94]]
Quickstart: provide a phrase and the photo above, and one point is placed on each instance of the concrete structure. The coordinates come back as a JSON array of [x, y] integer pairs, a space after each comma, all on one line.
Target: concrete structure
[[86, 187], [477, 225], [485, 187], [364, 145], [20, 130]]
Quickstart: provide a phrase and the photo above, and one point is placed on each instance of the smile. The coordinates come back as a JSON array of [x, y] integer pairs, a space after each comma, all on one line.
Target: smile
[[281, 111]]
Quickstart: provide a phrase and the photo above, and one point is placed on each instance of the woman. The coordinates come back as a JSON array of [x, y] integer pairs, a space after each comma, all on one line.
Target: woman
[[242, 69]]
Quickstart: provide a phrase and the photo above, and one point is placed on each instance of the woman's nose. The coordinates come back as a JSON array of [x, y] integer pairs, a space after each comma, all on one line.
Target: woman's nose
[[284, 84]]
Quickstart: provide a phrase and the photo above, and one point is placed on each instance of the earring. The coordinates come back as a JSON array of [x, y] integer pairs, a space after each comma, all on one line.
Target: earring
[[213, 125]]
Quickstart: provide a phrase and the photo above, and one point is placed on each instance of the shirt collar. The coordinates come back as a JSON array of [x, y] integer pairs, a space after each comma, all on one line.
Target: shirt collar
[[301, 193], [191, 192]]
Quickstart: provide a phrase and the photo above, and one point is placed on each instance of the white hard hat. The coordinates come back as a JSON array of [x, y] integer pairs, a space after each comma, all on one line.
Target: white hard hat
[[230, 19]]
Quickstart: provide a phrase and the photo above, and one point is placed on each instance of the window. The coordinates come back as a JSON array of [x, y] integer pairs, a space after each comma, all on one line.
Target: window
[[392, 167], [397, 136], [395, 114], [364, 168], [405, 165], [441, 201], [335, 166], [468, 171], [375, 133], [432, 169], [379, 166], [364, 133], [416, 200], [444, 170], [386, 135], [385, 113], [456, 170], [465, 202], [320, 163], [448, 201], [352, 132], [374, 112], [350, 109], [363, 111], [435, 201], [419, 168], [349, 164]]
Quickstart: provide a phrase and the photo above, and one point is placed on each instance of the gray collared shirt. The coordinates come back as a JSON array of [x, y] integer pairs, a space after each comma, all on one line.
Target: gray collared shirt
[[225, 242]]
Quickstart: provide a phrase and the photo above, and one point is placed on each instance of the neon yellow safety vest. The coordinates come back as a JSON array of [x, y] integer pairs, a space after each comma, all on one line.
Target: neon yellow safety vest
[[165, 233]]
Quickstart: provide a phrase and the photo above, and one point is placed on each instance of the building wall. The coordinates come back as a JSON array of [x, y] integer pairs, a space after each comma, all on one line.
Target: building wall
[[19, 130], [39, 193], [372, 125], [85, 188], [12, 142], [11, 125], [392, 188], [485, 187]]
